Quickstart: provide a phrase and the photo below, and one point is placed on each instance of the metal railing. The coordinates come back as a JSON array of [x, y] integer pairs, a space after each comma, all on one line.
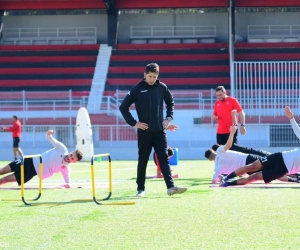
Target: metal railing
[[273, 30], [172, 31], [124, 136], [189, 100], [265, 88], [55, 32], [32, 104], [260, 92]]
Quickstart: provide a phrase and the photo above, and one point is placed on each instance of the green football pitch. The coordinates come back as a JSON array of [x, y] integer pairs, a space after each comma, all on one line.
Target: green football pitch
[[256, 217]]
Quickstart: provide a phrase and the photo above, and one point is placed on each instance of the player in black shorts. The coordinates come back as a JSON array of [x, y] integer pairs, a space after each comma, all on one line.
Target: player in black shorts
[[15, 166], [226, 161], [55, 160], [272, 166]]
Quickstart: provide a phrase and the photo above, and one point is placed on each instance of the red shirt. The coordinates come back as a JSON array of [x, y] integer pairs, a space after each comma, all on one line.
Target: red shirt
[[223, 109], [15, 129]]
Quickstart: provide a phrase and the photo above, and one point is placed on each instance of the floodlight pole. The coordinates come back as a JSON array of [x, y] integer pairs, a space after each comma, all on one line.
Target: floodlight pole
[[231, 37]]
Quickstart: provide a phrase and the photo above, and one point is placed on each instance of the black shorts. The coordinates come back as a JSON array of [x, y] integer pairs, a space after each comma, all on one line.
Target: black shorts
[[273, 167], [222, 138], [250, 159], [29, 170], [16, 141]]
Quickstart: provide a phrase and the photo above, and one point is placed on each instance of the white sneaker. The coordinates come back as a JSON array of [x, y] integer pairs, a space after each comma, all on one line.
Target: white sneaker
[[140, 193], [176, 190]]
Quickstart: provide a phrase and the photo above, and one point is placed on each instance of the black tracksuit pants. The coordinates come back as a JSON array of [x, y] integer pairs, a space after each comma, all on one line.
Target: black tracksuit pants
[[158, 141]]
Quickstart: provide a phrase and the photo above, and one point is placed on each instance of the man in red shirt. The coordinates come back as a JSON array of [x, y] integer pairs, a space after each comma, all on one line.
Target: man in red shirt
[[223, 115], [16, 134]]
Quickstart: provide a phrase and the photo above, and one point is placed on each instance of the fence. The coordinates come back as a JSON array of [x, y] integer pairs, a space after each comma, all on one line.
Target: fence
[[184, 99], [261, 93], [124, 136], [172, 31], [50, 32], [265, 88], [50, 104], [108, 135], [172, 34], [53, 35], [273, 33]]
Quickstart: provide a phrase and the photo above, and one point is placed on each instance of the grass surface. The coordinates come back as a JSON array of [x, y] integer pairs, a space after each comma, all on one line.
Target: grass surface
[[202, 218]]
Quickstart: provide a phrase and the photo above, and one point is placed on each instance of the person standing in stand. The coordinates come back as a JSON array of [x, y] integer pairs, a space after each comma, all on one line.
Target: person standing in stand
[[16, 134]]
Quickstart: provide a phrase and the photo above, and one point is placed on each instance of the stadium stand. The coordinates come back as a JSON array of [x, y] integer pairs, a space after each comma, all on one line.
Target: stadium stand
[[182, 66], [267, 52], [51, 4], [48, 68]]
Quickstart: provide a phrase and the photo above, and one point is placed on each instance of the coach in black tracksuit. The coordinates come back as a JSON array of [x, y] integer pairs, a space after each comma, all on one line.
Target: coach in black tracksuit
[[149, 97]]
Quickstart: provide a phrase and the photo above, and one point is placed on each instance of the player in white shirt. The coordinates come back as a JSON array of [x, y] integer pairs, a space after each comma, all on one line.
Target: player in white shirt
[[270, 167], [55, 160], [228, 158]]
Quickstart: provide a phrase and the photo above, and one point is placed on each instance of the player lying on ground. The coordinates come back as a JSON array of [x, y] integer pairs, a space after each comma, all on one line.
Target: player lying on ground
[[270, 167], [227, 161], [55, 160]]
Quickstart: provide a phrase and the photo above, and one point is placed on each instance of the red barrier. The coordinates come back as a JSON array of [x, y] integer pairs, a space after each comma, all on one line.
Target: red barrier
[[267, 3], [171, 69], [28, 59], [45, 83], [49, 47], [174, 46], [27, 71], [174, 81], [52, 5], [266, 45], [265, 57], [169, 57], [134, 4]]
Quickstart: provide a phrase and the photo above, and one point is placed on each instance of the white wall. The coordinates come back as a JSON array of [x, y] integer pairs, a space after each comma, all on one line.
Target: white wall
[[49, 21], [263, 18], [218, 19]]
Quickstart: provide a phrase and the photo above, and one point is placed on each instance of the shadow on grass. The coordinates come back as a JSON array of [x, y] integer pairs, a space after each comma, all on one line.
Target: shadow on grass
[[112, 201], [189, 181]]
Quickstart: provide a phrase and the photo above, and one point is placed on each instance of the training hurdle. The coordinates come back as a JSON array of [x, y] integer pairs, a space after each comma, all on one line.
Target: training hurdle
[[110, 184], [22, 180], [79, 200]]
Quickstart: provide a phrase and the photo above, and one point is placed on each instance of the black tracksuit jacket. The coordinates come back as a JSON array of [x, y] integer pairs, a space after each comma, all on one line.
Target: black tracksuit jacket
[[149, 101]]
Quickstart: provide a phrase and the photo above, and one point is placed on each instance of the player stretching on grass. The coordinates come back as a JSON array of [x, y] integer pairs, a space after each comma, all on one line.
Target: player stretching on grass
[[55, 160], [270, 167], [227, 160]]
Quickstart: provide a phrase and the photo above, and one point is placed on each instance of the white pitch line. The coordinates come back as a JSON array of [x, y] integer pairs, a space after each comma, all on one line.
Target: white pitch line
[[105, 170]]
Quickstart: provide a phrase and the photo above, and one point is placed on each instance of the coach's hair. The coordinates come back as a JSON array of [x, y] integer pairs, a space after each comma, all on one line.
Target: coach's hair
[[78, 154], [215, 147], [152, 67], [220, 88], [208, 153], [15, 117]]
